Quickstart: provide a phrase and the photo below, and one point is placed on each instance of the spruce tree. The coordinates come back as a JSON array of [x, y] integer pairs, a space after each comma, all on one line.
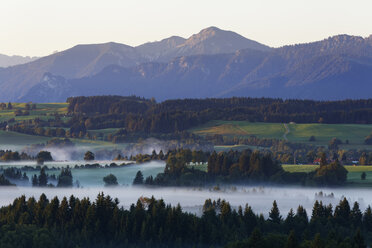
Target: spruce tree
[[274, 214], [367, 219], [43, 178], [35, 181], [138, 179], [356, 215]]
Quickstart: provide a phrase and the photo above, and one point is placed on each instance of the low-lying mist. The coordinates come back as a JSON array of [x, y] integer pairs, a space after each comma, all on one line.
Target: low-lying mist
[[259, 198], [90, 177]]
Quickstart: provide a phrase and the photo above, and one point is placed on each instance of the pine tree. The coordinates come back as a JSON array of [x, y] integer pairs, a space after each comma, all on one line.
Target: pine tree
[[274, 214], [290, 220], [363, 176], [138, 179], [43, 178], [161, 155], [35, 181], [356, 215], [367, 219], [302, 214], [342, 212]]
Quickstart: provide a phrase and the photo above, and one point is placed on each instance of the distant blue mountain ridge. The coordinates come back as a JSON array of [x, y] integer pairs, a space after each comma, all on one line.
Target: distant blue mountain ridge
[[212, 63]]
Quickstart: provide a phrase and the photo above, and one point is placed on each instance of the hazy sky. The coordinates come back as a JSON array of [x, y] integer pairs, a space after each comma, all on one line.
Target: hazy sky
[[39, 27]]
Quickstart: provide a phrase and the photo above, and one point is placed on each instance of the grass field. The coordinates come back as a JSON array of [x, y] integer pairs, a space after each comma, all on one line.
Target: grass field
[[323, 133], [241, 129], [353, 177], [19, 139], [42, 111], [354, 133]]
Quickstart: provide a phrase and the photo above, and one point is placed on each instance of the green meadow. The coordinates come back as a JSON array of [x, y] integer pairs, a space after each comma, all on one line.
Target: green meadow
[[42, 111], [241, 129], [353, 177], [299, 133]]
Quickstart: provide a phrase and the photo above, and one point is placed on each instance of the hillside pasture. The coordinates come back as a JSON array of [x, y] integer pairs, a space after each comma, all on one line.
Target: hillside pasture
[[43, 111], [353, 177], [241, 129], [298, 133]]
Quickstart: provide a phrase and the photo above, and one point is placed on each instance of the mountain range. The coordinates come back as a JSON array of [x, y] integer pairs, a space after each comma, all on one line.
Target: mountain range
[[212, 63]]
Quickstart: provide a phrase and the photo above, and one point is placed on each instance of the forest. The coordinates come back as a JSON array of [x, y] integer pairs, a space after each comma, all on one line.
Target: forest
[[73, 222], [143, 115]]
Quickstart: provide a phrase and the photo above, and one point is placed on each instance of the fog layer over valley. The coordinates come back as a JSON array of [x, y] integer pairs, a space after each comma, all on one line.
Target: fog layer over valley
[[88, 182], [192, 199], [90, 177], [260, 198]]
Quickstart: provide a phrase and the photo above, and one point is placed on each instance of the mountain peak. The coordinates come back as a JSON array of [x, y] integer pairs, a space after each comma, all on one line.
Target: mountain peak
[[213, 40], [211, 30]]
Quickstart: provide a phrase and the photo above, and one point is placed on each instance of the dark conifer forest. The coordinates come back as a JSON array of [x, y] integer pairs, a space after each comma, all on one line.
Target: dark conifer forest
[[74, 222]]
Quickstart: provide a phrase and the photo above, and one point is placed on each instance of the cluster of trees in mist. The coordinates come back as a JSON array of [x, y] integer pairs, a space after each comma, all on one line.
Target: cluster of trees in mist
[[64, 179], [241, 167], [9, 155], [78, 222]]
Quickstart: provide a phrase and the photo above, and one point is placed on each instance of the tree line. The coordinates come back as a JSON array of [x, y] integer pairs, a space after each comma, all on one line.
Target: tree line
[[73, 222], [138, 114]]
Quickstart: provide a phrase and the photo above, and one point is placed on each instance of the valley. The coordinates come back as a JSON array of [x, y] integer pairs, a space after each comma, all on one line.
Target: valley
[[187, 124]]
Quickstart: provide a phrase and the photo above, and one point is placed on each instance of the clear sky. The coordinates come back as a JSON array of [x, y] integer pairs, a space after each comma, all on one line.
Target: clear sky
[[39, 27]]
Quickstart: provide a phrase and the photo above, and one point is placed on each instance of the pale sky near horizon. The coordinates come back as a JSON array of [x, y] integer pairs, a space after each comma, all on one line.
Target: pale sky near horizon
[[39, 27]]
